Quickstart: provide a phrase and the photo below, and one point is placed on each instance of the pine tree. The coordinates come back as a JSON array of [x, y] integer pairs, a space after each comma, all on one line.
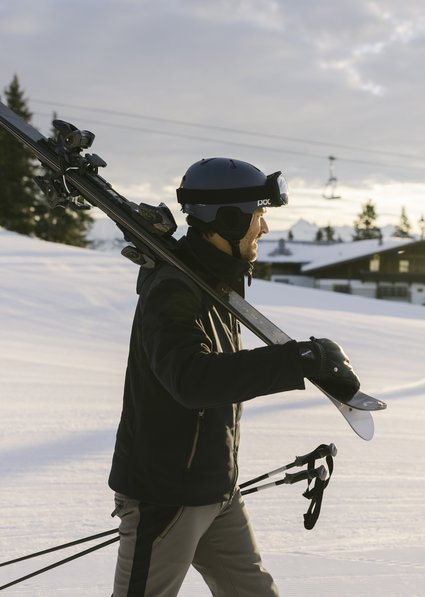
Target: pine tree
[[61, 225], [422, 226], [329, 233], [403, 228], [23, 208], [365, 224], [326, 234], [18, 192]]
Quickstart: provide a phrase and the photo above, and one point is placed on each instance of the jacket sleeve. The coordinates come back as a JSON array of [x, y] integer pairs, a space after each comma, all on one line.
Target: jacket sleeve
[[182, 358]]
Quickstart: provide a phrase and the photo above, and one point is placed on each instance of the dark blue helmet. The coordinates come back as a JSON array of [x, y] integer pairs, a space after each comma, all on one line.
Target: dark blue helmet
[[225, 193]]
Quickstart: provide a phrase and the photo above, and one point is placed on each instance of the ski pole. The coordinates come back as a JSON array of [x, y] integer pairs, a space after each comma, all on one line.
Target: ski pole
[[289, 479], [59, 563], [320, 452], [311, 473], [58, 547]]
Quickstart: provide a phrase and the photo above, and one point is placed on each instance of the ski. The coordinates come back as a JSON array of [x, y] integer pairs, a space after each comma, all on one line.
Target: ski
[[71, 179]]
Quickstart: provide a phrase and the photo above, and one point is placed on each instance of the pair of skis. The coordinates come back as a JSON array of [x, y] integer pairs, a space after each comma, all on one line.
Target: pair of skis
[[71, 179]]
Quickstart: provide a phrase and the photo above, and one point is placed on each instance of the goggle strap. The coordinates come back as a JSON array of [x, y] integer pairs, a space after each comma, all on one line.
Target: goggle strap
[[223, 196]]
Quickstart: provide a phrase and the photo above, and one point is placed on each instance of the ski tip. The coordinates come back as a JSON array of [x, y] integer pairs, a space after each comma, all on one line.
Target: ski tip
[[361, 401]]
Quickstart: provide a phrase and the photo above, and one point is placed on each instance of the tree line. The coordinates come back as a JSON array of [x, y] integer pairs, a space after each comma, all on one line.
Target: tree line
[[23, 206], [365, 226]]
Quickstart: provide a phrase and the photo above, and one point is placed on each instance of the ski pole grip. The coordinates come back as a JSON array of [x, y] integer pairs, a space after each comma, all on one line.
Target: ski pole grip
[[319, 472], [330, 450], [319, 452]]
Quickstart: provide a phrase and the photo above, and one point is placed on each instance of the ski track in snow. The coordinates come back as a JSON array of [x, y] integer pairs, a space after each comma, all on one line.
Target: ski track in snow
[[65, 317]]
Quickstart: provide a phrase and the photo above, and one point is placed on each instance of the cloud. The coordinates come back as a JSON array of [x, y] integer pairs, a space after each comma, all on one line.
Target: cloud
[[19, 23], [326, 73], [390, 32], [353, 75], [264, 14]]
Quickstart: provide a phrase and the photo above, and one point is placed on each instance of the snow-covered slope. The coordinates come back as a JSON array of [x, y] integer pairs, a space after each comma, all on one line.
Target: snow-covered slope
[[65, 316]]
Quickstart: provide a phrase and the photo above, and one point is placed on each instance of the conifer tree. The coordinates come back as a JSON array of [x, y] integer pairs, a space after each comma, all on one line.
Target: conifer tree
[[365, 225], [23, 207], [422, 226], [329, 233], [18, 192], [404, 227], [326, 234]]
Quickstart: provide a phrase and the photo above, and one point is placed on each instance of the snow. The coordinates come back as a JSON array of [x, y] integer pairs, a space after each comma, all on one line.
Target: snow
[[65, 317]]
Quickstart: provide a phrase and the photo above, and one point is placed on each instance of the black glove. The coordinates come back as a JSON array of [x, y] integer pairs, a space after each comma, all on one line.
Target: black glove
[[324, 362]]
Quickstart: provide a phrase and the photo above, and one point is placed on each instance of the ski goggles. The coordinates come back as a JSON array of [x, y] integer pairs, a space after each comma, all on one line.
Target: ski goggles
[[274, 193]]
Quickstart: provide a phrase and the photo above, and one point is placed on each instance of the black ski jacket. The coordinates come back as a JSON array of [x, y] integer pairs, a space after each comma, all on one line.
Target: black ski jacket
[[186, 376]]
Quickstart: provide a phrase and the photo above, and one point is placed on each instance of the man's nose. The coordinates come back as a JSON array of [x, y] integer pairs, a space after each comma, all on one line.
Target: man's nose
[[264, 227]]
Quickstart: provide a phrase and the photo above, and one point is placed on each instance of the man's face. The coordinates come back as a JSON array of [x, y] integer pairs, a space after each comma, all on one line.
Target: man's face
[[248, 245]]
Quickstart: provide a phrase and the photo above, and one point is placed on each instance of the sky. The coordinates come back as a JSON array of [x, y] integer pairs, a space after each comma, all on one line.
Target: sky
[[283, 85]]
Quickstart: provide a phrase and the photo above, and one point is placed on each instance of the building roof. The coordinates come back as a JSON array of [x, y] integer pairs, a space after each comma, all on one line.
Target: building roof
[[343, 252], [313, 255]]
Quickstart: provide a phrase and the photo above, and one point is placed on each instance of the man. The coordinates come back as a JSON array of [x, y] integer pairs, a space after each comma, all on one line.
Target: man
[[175, 467]]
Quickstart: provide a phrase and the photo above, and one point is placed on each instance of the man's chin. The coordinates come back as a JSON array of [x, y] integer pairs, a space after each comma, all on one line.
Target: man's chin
[[251, 256]]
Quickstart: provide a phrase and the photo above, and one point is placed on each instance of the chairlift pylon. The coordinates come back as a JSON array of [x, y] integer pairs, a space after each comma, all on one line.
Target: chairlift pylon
[[329, 191]]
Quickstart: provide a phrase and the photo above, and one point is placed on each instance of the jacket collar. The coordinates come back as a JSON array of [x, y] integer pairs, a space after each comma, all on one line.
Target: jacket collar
[[215, 265]]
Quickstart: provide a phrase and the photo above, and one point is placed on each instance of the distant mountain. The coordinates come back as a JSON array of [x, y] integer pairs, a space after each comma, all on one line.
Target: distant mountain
[[305, 231], [104, 235]]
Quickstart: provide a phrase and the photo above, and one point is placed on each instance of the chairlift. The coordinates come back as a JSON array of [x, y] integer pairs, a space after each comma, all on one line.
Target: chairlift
[[329, 191]]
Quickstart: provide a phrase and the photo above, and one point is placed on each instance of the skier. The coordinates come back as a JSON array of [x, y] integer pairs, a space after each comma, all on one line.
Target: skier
[[174, 469]]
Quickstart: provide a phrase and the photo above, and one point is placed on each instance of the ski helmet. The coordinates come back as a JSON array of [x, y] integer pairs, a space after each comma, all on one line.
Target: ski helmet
[[225, 193]]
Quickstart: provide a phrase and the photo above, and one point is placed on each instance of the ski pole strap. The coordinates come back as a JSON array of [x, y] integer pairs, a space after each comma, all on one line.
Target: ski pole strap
[[315, 493]]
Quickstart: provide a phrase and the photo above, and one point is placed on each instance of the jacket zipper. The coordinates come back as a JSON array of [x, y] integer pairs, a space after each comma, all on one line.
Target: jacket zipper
[[235, 333], [199, 422], [235, 449]]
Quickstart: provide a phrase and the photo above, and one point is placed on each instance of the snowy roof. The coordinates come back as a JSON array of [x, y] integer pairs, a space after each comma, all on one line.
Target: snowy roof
[[314, 255], [294, 251], [341, 252]]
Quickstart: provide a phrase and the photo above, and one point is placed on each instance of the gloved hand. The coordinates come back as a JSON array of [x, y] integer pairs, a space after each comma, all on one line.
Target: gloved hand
[[324, 362]]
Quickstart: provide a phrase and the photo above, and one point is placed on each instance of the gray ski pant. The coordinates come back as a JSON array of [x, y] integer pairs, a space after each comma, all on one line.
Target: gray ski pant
[[159, 543]]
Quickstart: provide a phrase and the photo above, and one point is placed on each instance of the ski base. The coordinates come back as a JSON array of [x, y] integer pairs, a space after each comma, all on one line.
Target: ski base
[[360, 421]]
